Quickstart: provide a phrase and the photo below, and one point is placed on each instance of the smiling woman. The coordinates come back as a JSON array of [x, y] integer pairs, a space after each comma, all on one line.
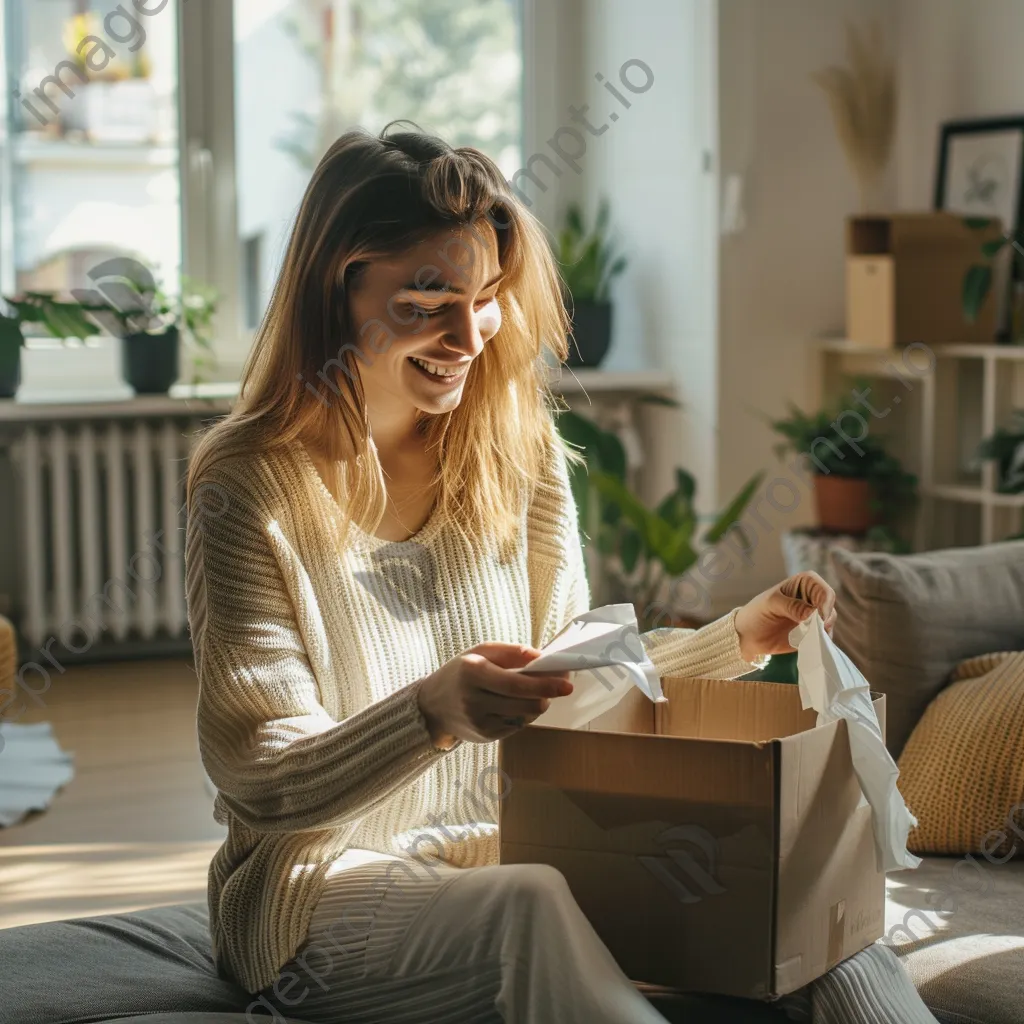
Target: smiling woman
[[396, 398]]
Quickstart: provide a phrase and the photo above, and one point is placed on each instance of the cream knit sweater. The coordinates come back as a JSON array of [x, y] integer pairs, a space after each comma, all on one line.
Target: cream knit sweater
[[308, 658]]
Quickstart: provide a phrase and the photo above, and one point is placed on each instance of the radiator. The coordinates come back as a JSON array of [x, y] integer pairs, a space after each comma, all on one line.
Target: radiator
[[101, 517]]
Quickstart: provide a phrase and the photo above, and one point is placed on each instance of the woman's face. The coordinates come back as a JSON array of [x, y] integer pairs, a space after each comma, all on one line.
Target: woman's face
[[423, 317]]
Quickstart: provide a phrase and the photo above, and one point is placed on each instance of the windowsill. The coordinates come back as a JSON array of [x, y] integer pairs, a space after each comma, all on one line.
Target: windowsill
[[183, 400], [84, 381]]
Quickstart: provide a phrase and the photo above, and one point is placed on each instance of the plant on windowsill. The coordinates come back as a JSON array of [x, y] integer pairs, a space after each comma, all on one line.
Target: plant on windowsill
[[152, 324], [588, 264], [860, 489], [641, 549], [56, 318]]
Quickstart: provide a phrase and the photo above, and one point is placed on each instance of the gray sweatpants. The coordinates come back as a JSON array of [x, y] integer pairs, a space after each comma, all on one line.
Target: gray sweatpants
[[399, 941]]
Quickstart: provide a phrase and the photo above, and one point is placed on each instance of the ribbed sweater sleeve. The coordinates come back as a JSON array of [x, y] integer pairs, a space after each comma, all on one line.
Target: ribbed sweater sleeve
[[280, 762], [712, 651]]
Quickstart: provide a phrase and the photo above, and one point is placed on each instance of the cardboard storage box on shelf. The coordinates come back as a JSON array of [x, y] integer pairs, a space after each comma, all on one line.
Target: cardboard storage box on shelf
[[904, 280], [717, 843]]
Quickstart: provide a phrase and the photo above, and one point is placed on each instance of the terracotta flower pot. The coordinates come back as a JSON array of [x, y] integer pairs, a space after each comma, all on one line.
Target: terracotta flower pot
[[844, 504]]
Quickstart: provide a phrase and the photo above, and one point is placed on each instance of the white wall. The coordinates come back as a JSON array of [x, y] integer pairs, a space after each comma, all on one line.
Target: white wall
[[650, 163], [957, 60], [782, 275]]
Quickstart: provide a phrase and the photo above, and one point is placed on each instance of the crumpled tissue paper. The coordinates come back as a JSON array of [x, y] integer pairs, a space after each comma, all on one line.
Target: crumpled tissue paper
[[830, 683], [605, 638]]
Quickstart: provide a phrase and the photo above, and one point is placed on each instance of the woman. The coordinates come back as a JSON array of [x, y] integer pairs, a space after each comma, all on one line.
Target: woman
[[394, 410]]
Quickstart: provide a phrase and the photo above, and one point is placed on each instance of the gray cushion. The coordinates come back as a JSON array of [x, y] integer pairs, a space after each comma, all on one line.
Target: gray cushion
[[905, 621], [959, 931], [95, 968], [156, 967], [201, 1018]]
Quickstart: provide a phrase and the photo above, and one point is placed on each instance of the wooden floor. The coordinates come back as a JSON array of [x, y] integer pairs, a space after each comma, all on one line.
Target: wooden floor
[[134, 827]]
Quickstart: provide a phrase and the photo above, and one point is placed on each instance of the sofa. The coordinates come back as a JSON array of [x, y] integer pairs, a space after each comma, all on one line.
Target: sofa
[[959, 930]]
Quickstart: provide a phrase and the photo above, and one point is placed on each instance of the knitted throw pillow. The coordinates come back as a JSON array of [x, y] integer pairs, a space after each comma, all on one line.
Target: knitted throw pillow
[[8, 658], [962, 770]]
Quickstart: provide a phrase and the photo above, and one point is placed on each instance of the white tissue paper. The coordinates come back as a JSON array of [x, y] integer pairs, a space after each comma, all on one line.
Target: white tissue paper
[[603, 650], [830, 683]]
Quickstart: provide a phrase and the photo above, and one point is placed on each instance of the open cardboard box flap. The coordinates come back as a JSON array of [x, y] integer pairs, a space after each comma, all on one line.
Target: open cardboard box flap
[[718, 842]]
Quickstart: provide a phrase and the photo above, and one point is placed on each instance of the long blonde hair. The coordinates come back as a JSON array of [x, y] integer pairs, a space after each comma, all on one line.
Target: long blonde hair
[[373, 197]]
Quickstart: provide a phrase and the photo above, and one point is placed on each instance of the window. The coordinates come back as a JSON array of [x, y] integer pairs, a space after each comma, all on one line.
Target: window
[[305, 70], [90, 143], [183, 134]]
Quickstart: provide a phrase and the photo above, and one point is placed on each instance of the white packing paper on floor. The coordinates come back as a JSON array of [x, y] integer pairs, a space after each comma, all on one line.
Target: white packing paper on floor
[[603, 650], [32, 769], [830, 683]]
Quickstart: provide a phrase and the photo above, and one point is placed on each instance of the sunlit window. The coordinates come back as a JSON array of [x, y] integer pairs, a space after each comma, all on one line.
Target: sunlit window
[[305, 70]]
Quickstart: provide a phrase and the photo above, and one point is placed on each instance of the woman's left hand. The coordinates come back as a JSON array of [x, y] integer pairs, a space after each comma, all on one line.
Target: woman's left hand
[[764, 623]]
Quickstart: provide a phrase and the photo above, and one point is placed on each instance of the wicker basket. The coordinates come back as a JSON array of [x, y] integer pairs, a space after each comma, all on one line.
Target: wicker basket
[[8, 655]]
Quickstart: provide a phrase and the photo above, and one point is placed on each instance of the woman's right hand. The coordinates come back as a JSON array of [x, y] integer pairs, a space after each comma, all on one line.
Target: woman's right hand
[[475, 697]]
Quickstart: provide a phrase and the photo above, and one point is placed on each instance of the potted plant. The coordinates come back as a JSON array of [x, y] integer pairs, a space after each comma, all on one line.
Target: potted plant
[[979, 276], [588, 265], [642, 549], [1006, 448], [57, 318], [151, 324], [858, 486], [11, 342]]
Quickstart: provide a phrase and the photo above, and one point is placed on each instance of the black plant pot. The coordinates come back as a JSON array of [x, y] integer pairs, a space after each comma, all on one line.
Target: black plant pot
[[591, 333], [149, 362], [10, 372]]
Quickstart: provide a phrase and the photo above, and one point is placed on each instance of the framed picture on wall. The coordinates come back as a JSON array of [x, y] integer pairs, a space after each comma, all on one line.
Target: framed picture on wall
[[981, 169], [980, 173]]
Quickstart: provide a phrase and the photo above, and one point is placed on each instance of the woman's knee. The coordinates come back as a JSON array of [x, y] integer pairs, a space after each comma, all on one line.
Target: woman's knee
[[531, 881]]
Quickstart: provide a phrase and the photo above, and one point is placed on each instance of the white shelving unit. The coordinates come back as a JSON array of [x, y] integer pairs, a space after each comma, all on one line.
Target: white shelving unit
[[936, 403]]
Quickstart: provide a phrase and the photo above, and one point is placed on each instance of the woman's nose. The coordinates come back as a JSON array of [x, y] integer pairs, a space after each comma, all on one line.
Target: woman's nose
[[470, 331]]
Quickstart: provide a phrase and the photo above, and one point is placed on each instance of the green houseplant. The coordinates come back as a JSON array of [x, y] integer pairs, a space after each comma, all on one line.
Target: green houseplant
[[641, 548], [1006, 448], [57, 318], [859, 487], [588, 263], [150, 323], [978, 277]]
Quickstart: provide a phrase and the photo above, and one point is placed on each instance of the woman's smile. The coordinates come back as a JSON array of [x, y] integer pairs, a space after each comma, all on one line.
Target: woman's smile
[[440, 374]]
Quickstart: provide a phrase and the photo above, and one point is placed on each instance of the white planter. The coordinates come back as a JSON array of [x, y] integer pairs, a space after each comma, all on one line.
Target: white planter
[[76, 372]]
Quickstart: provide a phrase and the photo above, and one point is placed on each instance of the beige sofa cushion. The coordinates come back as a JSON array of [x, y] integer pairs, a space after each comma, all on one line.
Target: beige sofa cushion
[[906, 621]]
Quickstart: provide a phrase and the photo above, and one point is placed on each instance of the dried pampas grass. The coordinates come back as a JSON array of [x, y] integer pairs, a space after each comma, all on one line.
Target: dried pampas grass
[[862, 98]]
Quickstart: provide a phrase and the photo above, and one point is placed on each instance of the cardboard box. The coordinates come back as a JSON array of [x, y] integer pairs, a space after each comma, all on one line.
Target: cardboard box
[[904, 280], [718, 843]]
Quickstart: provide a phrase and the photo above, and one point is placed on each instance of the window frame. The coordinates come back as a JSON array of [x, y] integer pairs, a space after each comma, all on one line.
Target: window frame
[[208, 188]]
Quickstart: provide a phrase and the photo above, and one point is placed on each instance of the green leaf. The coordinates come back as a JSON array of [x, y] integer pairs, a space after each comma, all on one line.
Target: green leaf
[[607, 540], [579, 484], [734, 511], [602, 448], [993, 247], [645, 522], [978, 223], [977, 283], [630, 548], [677, 555], [574, 219]]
